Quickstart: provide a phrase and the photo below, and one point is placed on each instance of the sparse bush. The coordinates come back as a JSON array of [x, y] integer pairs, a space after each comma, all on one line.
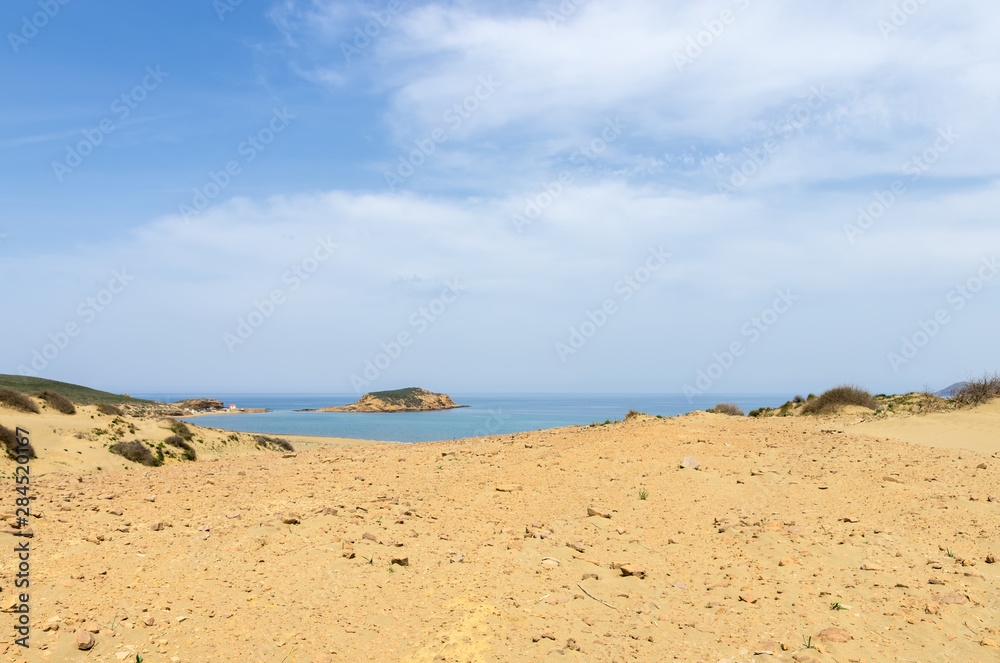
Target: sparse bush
[[759, 412], [180, 428], [281, 443], [137, 452], [632, 414], [10, 444], [840, 396], [728, 408], [798, 399], [181, 443], [979, 391], [107, 408], [18, 401], [58, 401]]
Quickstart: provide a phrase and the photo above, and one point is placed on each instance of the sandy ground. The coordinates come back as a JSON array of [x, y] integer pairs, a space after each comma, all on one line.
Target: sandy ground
[[977, 429], [517, 548]]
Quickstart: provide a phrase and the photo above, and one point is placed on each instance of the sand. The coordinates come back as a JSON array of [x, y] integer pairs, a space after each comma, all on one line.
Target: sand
[[790, 527], [977, 429]]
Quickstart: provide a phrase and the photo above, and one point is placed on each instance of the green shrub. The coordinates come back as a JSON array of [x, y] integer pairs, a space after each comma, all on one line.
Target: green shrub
[[112, 410], [979, 391], [181, 428], [9, 440], [137, 452], [181, 443], [58, 402], [728, 408], [281, 443], [18, 401], [846, 394]]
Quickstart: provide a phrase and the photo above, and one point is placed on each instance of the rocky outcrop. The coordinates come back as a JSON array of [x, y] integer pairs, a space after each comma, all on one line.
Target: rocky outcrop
[[411, 399]]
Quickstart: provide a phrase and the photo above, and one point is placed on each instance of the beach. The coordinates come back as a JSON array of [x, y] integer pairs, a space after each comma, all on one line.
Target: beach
[[810, 538]]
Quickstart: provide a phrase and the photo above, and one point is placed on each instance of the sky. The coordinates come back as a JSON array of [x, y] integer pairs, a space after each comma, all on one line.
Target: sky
[[305, 196]]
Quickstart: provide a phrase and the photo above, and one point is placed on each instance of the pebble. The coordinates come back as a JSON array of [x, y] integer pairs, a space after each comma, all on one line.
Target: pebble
[[84, 640], [833, 634], [689, 463], [591, 511]]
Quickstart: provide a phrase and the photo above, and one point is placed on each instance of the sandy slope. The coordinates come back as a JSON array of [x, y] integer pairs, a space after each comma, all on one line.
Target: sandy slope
[[974, 428], [746, 554]]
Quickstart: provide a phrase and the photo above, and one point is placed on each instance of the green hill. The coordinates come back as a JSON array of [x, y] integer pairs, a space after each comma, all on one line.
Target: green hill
[[74, 392]]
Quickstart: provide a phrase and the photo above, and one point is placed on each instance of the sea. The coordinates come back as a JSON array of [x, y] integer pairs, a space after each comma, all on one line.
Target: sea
[[486, 414]]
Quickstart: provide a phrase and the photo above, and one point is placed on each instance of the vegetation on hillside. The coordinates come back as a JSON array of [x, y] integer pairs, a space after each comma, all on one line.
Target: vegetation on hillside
[[74, 392], [8, 439], [15, 399], [830, 401], [58, 402], [979, 391]]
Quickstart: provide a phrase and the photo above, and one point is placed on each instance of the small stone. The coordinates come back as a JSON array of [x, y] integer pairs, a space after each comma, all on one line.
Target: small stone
[[590, 576], [833, 634], [787, 561], [290, 454], [987, 641], [158, 525], [290, 519], [550, 561], [115, 512], [368, 536], [457, 559], [632, 570], [689, 463], [872, 566], [84, 640], [952, 599], [148, 620], [575, 545], [549, 635], [400, 561], [765, 648], [748, 598], [932, 608], [150, 498], [935, 581], [981, 466], [509, 488], [591, 511], [990, 559]]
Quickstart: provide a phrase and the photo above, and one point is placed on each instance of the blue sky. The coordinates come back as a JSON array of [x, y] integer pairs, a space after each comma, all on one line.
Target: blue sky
[[312, 196]]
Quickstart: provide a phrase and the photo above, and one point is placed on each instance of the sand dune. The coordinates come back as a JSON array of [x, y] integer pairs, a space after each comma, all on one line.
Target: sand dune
[[977, 429], [498, 549]]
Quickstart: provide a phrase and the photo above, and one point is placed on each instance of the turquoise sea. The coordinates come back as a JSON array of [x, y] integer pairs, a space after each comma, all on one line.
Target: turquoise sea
[[487, 414]]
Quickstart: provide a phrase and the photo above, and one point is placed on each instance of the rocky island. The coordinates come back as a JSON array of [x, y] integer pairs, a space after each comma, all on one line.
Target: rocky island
[[411, 399]]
